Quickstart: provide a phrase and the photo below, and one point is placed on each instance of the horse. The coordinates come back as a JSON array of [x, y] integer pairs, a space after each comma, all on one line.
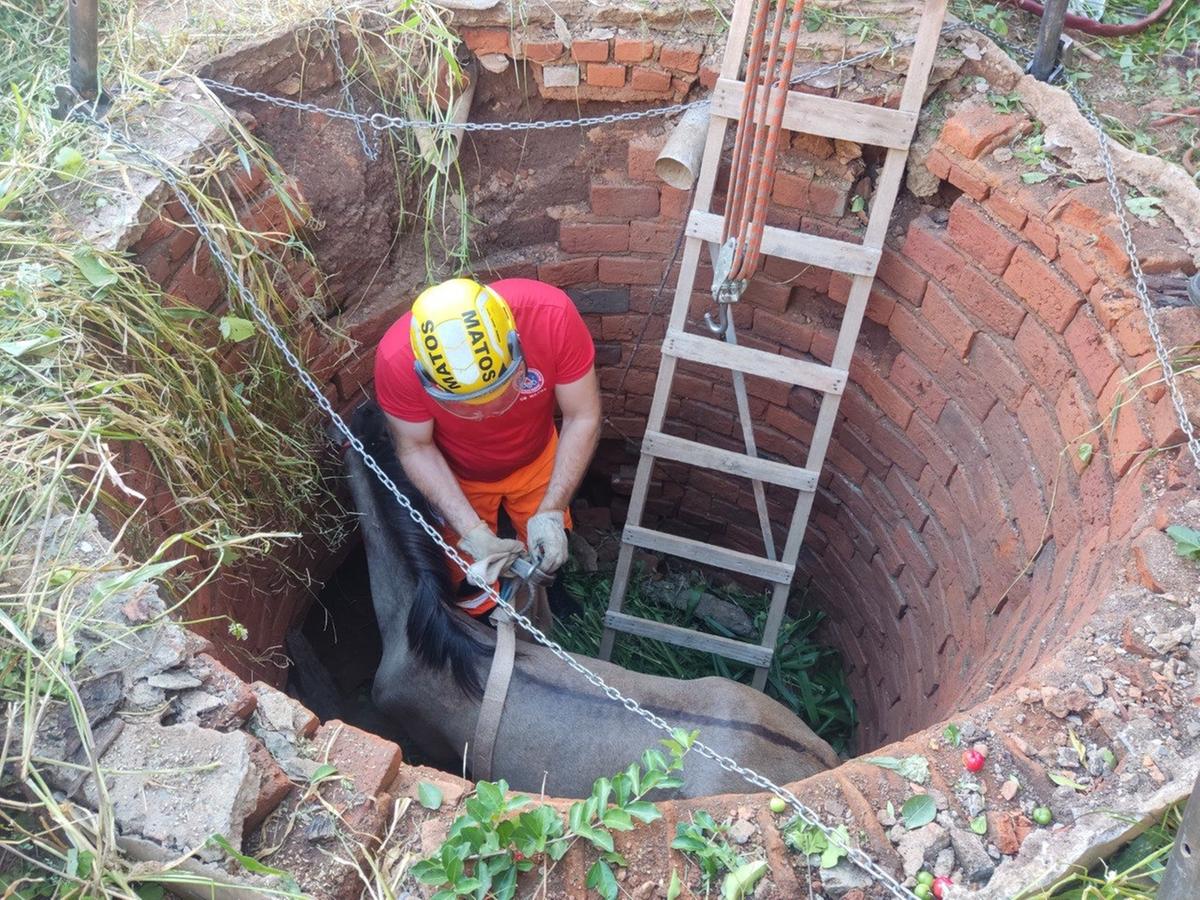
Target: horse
[[558, 733]]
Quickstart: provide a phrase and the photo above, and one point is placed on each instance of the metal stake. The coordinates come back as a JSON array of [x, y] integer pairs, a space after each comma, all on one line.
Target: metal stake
[[81, 16], [84, 62], [1046, 63], [1183, 867]]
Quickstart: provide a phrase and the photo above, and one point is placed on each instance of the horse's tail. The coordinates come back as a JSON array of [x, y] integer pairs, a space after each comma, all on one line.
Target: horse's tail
[[433, 629]]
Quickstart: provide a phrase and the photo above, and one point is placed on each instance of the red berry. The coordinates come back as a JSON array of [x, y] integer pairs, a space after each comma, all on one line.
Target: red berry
[[518, 856], [973, 760], [941, 883]]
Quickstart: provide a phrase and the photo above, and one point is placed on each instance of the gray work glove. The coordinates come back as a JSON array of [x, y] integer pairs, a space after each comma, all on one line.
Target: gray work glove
[[491, 555], [547, 540]]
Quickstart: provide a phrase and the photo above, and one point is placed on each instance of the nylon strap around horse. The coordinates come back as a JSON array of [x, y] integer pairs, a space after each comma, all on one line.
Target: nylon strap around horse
[[487, 726]]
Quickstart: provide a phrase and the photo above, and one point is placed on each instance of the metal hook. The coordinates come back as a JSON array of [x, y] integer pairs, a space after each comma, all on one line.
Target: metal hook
[[721, 324]]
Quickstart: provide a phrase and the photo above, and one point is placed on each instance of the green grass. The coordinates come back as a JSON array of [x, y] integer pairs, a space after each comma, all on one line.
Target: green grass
[[806, 676], [1132, 873]]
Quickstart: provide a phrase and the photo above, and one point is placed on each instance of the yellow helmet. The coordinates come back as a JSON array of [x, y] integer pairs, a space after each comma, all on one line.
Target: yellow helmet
[[465, 347]]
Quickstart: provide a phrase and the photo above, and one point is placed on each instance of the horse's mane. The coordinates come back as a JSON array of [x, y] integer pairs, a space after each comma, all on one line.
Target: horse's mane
[[434, 630]]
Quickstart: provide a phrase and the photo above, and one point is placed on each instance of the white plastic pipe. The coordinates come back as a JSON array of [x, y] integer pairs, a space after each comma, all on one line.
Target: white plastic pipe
[[679, 162]]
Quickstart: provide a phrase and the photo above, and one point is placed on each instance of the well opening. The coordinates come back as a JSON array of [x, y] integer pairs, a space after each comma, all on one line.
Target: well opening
[[978, 496]]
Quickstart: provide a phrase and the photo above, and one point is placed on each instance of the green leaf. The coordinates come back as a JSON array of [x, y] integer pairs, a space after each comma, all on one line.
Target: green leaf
[[249, 863], [149, 891], [675, 887], [858, 204], [323, 771], [643, 811], [1187, 541], [951, 734], [1064, 781], [429, 795], [910, 768], [68, 161], [1110, 758], [94, 269], [1084, 452], [918, 810], [617, 819], [1034, 177], [1077, 746], [127, 580], [979, 824], [429, 871], [741, 880], [600, 879], [1143, 207], [835, 850], [235, 329], [597, 836]]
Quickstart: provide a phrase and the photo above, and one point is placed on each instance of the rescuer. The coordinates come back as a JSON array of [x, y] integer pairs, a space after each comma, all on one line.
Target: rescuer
[[469, 380]]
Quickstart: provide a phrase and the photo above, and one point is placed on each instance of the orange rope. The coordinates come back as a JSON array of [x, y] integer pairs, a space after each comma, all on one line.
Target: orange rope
[[752, 172]]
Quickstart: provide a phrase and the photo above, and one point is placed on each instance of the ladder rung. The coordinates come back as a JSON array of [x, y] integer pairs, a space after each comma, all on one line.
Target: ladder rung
[[754, 362], [845, 120], [709, 554], [667, 446], [798, 246], [754, 654]]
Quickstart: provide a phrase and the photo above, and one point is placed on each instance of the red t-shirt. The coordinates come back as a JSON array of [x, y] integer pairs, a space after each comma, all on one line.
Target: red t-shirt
[[558, 350]]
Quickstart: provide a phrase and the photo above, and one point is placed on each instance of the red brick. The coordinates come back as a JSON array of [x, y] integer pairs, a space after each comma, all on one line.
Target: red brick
[[993, 363], [1054, 301], [938, 165], [488, 40], [901, 276], [1006, 211], [967, 183], [197, 283], [1076, 422], [912, 335], [674, 203], [1044, 360], [643, 151], [568, 271], [627, 49], [652, 237], [542, 51], [938, 454], [828, 198], [708, 77], [1041, 236], [896, 447], [367, 759], [791, 189], [918, 383], [685, 57], [1091, 350], [1077, 270], [590, 51], [1127, 437], [644, 78], [972, 390], [976, 129], [881, 392], [1006, 447], [947, 320], [1165, 430], [1039, 426], [1087, 209], [624, 201], [582, 237], [982, 239], [606, 74], [630, 270], [1132, 333]]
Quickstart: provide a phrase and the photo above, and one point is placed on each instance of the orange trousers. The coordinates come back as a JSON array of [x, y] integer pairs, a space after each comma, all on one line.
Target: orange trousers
[[520, 493]]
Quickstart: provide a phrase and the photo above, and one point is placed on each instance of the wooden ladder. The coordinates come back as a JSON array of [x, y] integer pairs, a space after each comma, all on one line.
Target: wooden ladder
[[845, 120]]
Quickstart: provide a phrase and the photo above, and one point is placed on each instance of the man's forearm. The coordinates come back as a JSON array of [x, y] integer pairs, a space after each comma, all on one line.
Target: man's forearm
[[576, 444], [427, 468]]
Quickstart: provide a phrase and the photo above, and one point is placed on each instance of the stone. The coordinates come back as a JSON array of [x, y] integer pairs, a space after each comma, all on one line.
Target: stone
[[972, 858], [174, 681], [844, 879], [919, 848], [741, 831], [560, 76], [494, 62], [1009, 789], [204, 783], [1067, 758], [677, 591], [1093, 684], [944, 864]]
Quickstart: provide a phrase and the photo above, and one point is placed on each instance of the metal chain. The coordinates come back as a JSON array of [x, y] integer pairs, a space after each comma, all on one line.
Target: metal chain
[[370, 151], [383, 122], [1139, 278], [803, 812]]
